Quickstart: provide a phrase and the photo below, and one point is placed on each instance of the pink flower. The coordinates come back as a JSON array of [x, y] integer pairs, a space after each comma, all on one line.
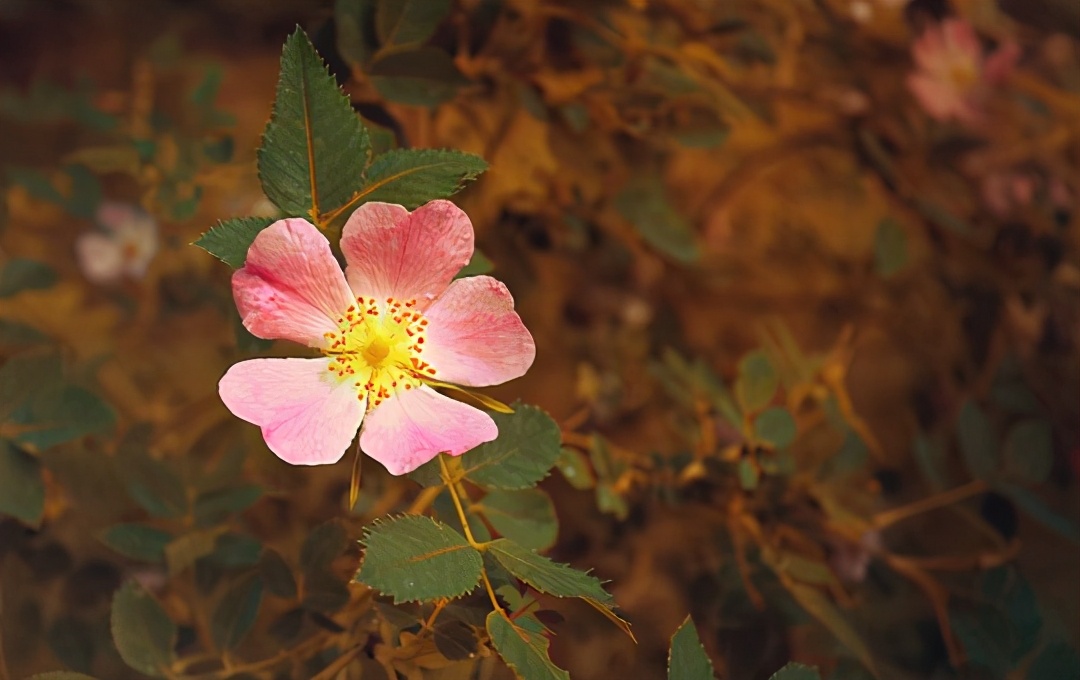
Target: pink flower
[[953, 79], [125, 247], [387, 326]]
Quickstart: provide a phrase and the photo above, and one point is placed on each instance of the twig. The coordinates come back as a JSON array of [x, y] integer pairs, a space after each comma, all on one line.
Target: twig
[[890, 517]]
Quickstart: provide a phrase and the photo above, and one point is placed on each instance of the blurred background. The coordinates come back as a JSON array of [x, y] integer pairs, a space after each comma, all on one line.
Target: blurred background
[[803, 277]]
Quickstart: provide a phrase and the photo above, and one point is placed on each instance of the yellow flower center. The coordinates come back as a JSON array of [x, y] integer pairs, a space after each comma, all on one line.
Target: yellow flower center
[[377, 347]]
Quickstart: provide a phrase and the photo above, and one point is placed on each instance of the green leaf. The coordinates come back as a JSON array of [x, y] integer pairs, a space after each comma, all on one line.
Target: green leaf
[[1030, 503], [60, 675], [644, 203], [354, 21], [977, 441], [415, 558], [19, 274], [61, 414], [142, 632], [546, 576], [230, 239], [528, 444], [687, 659], [1056, 661], [183, 551], [523, 647], [137, 541], [456, 640], [15, 334], [322, 546], [424, 76], [236, 612], [22, 489], [478, 264], [757, 381], [749, 474], [314, 148], [408, 22], [1029, 451], [776, 426], [890, 247], [215, 506], [796, 671], [412, 177], [575, 468], [277, 575], [150, 483], [821, 608], [526, 516]]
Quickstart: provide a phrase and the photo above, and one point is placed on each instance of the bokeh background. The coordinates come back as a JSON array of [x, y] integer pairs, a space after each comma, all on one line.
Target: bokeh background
[[803, 277]]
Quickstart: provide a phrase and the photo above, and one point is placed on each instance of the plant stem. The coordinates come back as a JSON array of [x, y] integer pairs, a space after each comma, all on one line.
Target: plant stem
[[890, 517], [424, 500], [449, 480]]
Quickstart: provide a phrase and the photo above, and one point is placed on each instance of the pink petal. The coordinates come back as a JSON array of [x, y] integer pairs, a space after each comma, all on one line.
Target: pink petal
[[113, 215], [961, 41], [1000, 65], [393, 253], [414, 426], [291, 287], [100, 258], [475, 337], [939, 99], [307, 416]]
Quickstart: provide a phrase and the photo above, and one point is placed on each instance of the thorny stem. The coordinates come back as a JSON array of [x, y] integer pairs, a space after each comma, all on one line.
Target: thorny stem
[[890, 517], [451, 486], [424, 500]]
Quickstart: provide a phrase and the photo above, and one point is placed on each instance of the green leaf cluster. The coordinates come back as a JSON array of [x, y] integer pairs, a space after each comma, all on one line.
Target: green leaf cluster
[[316, 160]]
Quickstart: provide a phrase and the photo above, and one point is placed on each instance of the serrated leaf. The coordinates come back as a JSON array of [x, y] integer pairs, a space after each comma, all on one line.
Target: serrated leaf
[[526, 517], [19, 274], [230, 239], [687, 659], [354, 21], [644, 203], [757, 381], [414, 558], [277, 575], [528, 444], [137, 541], [22, 489], [545, 575], [777, 426], [978, 445], [142, 632], [314, 148], [412, 177], [1028, 453], [524, 649], [408, 22], [796, 671], [236, 612]]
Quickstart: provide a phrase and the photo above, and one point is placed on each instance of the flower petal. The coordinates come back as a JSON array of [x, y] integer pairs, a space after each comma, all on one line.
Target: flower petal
[[100, 258], [475, 337], [393, 253], [413, 426], [307, 416], [291, 287]]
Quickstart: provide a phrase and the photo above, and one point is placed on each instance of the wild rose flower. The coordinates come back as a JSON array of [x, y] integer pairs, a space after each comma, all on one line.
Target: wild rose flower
[[388, 326], [125, 246], [953, 79]]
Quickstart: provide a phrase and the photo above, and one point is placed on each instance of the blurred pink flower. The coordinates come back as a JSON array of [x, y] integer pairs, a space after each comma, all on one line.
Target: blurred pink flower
[[125, 246], [952, 78], [387, 327]]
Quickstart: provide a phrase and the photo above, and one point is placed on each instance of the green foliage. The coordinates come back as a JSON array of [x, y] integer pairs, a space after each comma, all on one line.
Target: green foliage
[[822, 608], [575, 469], [777, 426], [478, 264], [236, 611], [408, 22], [414, 558], [1035, 507], [142, 632], [687, 659], [314, 148], [19, 274], [22, 490], [645, 205], [523, 646], [1028, 452], [796, 671], [546, 576], [526, 517], [230, 239], [529, 442], [277, 575], [137, 541], [412, 177], [757, 381], [214, 506], [354, 21], [890, 247], [978, 444], [1056, 660], [424, 76]]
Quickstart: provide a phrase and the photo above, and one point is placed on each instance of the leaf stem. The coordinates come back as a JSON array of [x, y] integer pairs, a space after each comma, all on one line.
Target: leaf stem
[[449, 480], [890, 517], [424, 500]]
